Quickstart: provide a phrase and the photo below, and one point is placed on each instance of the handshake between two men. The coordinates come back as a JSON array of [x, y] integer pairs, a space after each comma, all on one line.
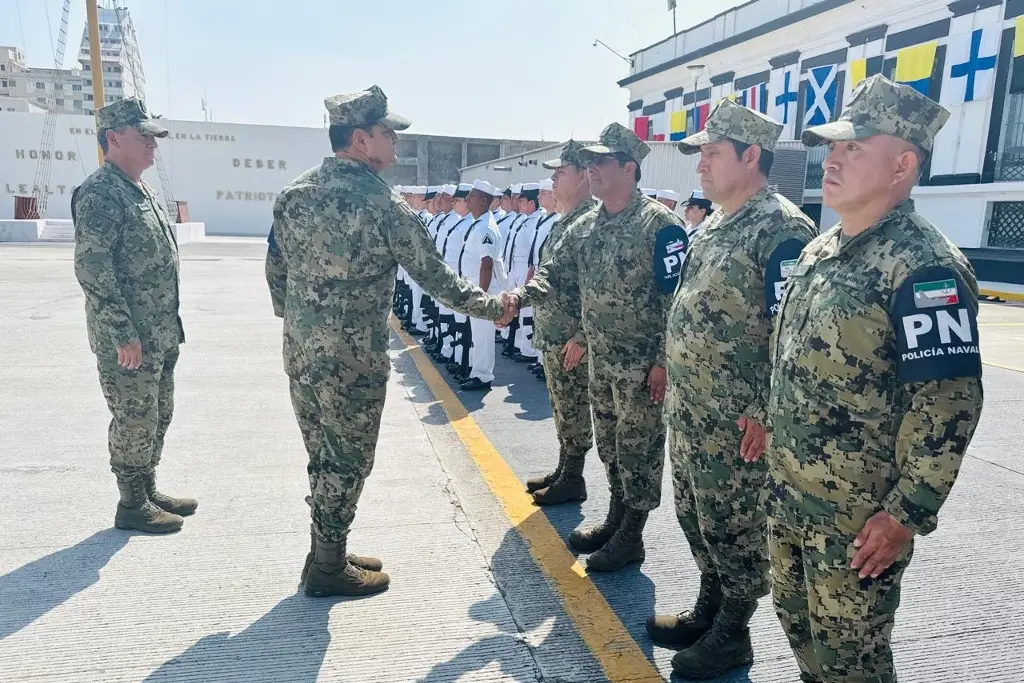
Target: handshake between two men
[[572, 352]]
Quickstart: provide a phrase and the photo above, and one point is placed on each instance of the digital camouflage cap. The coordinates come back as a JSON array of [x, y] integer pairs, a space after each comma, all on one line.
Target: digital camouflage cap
[[617, 139], [732, 121], [132, 112], [881, 107], [570, 154], [363, 108]]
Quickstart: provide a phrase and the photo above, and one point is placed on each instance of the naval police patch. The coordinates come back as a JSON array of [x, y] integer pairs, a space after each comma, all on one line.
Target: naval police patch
[[670, 247], [936, 325], [781, 264]]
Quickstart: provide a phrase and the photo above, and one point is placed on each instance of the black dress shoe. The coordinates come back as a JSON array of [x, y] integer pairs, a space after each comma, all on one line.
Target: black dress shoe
[[520, 358], [475, 385], [535, 367], [541, 376], [452, 367], [417, 333]]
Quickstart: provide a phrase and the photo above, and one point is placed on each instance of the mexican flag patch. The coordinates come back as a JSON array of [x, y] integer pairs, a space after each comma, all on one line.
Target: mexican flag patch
[[935, 294]]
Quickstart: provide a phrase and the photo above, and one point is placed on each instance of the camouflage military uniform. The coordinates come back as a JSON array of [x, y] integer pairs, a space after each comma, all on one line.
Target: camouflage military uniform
[[341, 235], [876, 392], [126, 261], [556, 321], [617, 261], [718, 366]]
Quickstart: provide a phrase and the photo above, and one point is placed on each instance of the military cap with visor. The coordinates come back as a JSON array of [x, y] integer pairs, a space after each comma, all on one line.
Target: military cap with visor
[[731, 121], [570, 154], [616, 139], [882, 107], [363, 108], [129, 112]]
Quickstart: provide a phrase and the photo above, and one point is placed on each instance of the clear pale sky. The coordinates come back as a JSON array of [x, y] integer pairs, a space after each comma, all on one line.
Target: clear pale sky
[[525, 69]]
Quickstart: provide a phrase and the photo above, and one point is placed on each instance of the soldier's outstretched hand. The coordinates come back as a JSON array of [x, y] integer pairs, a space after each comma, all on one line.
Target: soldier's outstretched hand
[[880, 542], [754, 439], [511, 304], [129, 356]]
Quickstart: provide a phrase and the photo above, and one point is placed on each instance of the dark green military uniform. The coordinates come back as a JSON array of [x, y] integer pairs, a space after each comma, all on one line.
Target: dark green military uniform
[[619, 262], [556, 321], [875, 395], [719, 330], [340, 234], [126, 261]]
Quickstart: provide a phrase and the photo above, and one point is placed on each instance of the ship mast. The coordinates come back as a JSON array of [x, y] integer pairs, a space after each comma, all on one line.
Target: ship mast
[[92, 18]]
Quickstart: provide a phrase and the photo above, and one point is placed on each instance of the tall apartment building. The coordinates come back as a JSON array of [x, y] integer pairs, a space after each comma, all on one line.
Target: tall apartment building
[[69, 91]]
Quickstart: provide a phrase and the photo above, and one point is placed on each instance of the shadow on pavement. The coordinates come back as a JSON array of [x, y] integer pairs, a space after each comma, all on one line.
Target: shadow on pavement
[[288, 643], [29, 592]]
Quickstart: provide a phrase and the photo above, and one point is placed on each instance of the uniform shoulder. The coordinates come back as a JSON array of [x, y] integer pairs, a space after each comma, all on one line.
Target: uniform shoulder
[[100, 191], [819, 242], [916, 244], [787, 215], [656, 215]]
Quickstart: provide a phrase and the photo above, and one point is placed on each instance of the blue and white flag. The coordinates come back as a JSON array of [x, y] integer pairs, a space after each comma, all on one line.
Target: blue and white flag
[[822, 93], [783, 98], [970, 66]]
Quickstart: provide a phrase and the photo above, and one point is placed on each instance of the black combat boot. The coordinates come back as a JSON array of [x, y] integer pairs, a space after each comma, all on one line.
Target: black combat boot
[[538, 483], [625, 546], [568, 486], [332, 574], [592, 539], [177, 506], [685, 629], [724, 647], [363, 562], [136, 512]]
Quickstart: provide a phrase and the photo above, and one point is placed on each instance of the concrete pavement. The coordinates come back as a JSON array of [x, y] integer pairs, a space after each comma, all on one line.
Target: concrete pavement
[[479, 592]]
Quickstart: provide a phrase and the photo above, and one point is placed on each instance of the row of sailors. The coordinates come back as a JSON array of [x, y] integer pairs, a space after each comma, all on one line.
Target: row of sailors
[[495, 238]]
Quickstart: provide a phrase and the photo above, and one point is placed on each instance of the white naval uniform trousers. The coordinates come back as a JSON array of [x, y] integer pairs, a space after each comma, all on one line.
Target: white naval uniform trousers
[[522, 252], [449, 222], [417, 291], [543, 230], [483, 241], [451, 246], [508, 229]]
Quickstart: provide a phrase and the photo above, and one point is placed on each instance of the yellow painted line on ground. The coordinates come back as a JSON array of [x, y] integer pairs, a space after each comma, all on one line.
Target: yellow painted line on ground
[[1005, 296], [596, 622]]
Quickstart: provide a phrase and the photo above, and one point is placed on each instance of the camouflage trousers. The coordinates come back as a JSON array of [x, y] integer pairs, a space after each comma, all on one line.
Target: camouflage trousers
[[630, 432], [339, 427], [719, 504], [141, 404], [570, 405], [838, 624]]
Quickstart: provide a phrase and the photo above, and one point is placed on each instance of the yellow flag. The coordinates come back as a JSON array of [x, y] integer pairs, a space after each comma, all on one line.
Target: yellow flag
[[858, 72]]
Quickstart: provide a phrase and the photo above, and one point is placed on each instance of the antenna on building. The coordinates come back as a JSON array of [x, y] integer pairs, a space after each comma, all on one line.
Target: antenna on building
[[598, 41]]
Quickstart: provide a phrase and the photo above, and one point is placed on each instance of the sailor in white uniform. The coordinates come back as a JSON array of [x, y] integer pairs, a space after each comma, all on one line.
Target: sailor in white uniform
[[520, 250], [443, 210], [481, 264], [449, 241], [669, 198], [696, 212], [420, 195], [508, 226], [544, 225]]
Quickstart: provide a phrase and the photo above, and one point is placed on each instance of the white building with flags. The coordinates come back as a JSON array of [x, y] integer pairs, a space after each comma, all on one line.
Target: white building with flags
[[799, 61]]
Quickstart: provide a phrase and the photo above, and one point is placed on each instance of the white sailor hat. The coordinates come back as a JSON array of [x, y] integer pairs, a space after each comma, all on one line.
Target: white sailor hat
[[668, 194], [484, 186], [547, 184], [448, 189], [517, 188], [433, 188], [649, 191], [530, 187]]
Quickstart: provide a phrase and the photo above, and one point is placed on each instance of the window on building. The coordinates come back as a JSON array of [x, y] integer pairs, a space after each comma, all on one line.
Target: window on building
[[3, 84], [3, 67], [117, 69], [60, 102], [40, 85], [76, 88]]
